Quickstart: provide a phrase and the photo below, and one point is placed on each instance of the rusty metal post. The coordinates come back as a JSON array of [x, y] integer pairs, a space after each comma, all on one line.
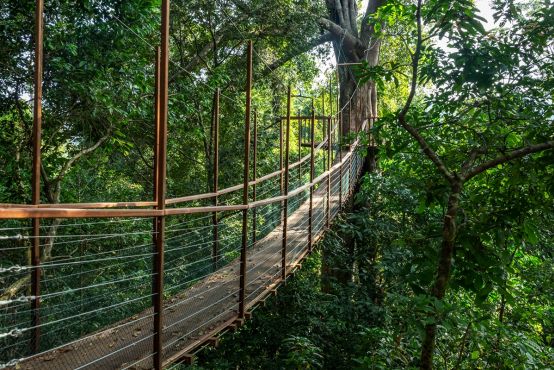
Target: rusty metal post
[[349, 119], [329, 143], [155, 164], [37, 139], [281, 175], [299, 149], [286, 201], [323, 123], [156, 125], [243, 251], [331, 106], [215, 223], [312, 159], [339, 129], [331, 96], [160, 187], [254, 174]]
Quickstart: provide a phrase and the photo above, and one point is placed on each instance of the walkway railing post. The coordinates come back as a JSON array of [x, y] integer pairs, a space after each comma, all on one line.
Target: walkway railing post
[[37, 136], [281, 173], [254, 174], [281, 169], [312, 160], [339, 128], [331, 134], [323, 123], [242, 289], [215, 223], [160, 187], [331, 96], [300, 121], [349, 120], [333, 119], [329, 144], [286, 193], [155, 164]]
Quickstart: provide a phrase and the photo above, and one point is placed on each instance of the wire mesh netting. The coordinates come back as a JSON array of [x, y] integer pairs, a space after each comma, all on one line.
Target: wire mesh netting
[[94, 274]]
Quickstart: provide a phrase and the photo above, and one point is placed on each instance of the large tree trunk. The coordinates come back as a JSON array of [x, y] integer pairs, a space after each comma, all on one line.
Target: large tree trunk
[[443, 271], [352, 44]]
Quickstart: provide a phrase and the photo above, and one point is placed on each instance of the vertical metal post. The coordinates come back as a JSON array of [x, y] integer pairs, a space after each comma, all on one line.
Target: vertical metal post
[[324, 127], [215, 223], [331, 106], [242, 289], [329, 143], [281, 175], [299, 149], [312, 150], [254, 174], [286, 201], [155, 165], [37, 139], [156, 125], [331, 96], [323, 123], [160, 187], [349, 119], [350, 175], [339, 128]]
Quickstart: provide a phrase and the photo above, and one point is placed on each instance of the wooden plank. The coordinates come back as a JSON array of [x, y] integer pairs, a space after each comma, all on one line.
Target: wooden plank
[[190, 198], [18, 213], [213, 341], [199, 342], [83, 205], [187, 359]]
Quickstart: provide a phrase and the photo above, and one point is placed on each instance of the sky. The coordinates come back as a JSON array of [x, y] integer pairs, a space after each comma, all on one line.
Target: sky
[[485, 11]]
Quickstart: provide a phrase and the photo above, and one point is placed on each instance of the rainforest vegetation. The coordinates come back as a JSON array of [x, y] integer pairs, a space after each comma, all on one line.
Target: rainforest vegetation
[[444, 256]]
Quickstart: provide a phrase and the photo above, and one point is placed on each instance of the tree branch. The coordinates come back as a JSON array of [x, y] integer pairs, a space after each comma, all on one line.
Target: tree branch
[[353, 11], [338, 8], [349, 39], [430, 153], [47, 184], [518, 153], [346, 15], [415, 65], [297, 51], [68, 164], [472, 156]]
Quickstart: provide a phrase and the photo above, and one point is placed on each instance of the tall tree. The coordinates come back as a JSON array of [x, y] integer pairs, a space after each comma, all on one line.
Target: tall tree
[[470, 117]]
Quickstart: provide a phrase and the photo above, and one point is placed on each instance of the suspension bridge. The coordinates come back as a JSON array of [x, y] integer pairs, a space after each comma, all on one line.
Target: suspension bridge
[[213, 280], [149, 283]]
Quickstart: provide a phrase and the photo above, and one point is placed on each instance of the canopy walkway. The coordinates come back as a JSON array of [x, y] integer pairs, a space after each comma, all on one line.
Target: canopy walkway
[[210, 305], [166, 276], [207, 303]]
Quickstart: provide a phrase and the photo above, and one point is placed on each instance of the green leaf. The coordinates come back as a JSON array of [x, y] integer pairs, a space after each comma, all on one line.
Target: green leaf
[[530, 232]]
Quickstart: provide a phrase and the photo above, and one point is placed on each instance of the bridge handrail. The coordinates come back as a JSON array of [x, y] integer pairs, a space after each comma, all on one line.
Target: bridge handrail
[[102, 210]]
